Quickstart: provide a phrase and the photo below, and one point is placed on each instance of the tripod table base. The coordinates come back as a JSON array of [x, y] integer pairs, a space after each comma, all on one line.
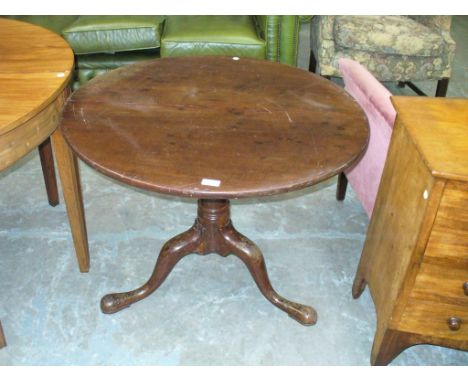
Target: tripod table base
[[212, 232]]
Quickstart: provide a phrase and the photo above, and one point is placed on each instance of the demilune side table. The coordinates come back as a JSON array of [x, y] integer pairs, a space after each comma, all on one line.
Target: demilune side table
[[214, 129], [36, 66]]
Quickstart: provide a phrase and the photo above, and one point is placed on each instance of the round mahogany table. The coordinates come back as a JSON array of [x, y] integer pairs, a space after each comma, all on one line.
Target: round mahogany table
[[215, 129]]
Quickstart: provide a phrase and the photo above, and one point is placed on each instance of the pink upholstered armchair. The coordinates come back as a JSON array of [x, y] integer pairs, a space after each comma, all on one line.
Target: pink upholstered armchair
[[374, 98]]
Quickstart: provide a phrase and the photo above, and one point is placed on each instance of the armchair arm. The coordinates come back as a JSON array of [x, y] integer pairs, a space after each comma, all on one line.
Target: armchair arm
[[281, 34], [439, 23]]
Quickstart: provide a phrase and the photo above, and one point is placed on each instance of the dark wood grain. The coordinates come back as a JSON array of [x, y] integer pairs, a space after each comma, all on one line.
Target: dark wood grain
[[48, 171], [260, 128], [341, 186], [252, 128], [212, 232]]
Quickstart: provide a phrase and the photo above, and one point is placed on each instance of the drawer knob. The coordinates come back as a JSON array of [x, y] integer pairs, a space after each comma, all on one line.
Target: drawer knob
[[454, 323], [465, 287]]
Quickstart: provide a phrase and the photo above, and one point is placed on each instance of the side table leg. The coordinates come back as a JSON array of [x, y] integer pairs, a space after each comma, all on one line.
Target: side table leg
[[70, 178], [341, 186], [2, 337], [173, 251], [252, 257], [359, 285], [388, 344], [360, 282], [48, 170]]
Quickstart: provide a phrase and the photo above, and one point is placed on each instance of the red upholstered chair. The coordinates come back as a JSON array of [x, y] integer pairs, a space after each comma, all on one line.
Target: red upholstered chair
[[374, 98]]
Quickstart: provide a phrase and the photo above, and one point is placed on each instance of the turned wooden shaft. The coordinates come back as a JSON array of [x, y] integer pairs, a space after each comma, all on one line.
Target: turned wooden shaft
[[213, 216]]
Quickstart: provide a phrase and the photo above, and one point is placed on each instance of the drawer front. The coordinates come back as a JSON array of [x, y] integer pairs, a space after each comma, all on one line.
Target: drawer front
[[449, 236], [435, 320], [438, 303]]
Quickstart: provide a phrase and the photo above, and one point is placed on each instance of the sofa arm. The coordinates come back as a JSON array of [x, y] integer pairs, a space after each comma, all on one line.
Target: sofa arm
[[281, 34]]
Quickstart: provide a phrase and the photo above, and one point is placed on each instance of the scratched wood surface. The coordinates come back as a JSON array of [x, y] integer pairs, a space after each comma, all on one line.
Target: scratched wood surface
[[35, 68], [250, 127]]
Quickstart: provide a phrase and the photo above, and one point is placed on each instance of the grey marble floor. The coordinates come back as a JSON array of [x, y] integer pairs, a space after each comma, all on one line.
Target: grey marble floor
[[209, 311]]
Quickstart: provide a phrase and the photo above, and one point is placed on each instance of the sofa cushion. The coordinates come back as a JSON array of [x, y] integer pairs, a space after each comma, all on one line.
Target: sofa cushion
[[110, 34], [387, 34], [211, 35], [113, 61]]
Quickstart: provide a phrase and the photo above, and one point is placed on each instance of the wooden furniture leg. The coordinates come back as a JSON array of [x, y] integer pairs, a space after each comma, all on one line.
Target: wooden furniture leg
[[441, 90], [69, 176], [312, 62], [173, 251], [442, 87], [359, 285], [2, 337], [388, 344], [48, 170], [252, 257], [212, 232], [341, 186]]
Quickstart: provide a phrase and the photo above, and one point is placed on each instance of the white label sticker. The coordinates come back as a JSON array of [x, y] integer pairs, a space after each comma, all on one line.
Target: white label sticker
[[210, 182]]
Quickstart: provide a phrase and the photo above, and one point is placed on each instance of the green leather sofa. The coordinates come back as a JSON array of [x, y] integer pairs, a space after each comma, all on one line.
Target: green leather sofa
[[102, 43]]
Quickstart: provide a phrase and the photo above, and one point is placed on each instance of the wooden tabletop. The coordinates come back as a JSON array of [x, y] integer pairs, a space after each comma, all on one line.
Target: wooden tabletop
[[215, 127], [439, 129], [35, 66]]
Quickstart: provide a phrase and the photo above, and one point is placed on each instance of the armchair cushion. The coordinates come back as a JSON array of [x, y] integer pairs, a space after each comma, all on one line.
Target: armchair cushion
[[211, 35], [387, 34], [110, 34], [374, 98]]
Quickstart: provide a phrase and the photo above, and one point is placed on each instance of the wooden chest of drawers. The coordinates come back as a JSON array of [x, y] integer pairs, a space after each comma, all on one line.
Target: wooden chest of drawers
[[415, 258]]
